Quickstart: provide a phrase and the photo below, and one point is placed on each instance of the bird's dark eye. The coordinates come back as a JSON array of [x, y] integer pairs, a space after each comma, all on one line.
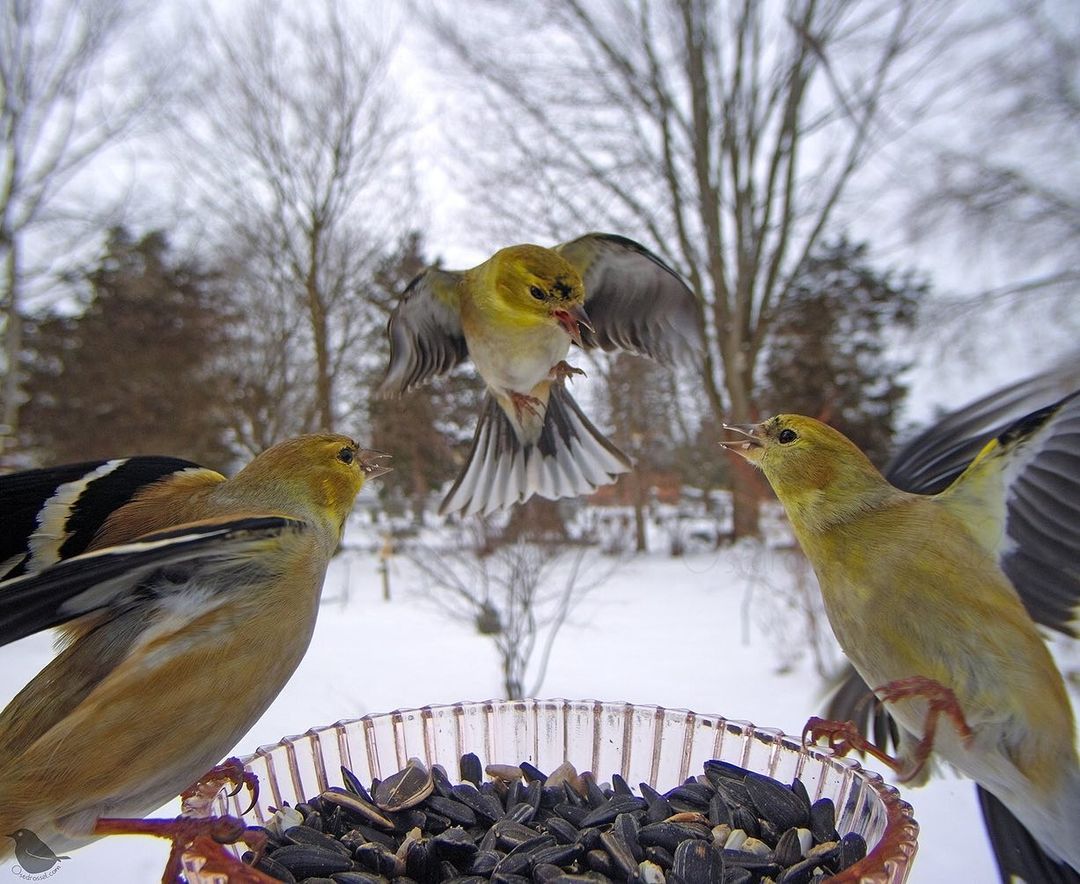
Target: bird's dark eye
[[537, 292], [786, 435], [346, 455]]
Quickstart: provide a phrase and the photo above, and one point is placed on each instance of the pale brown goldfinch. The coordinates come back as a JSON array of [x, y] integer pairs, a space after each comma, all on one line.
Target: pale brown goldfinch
[[190, 599], [515, 316]]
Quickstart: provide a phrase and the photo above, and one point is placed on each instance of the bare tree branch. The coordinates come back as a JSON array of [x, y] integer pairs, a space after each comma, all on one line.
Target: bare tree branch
[[725, 134], [293, 138], [64, 102]]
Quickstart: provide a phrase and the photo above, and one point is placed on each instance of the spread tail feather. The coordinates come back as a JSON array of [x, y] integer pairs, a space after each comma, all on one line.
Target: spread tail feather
[[570, 457], [1019, 856]]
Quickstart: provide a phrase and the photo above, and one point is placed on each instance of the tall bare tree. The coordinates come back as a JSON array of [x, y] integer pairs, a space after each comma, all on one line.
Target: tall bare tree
[[65, 98], [1004, 172], [292, 139], [725, 133]]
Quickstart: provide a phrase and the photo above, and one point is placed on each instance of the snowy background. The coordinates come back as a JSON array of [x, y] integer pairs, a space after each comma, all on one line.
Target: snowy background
[[711, 631]]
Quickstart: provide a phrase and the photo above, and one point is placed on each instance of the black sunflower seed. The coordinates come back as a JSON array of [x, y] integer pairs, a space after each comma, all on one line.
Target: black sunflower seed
[[670, 835], [305, 861], [788, 850], [742, 817], [357, 878], [422, 861], [692, 793], [510, 833], [455, 844], [458, 813], [532, 774], [271, 867], [484, 805], [471, 769], [405, 789], [823, 821], [484, 862], [661, 856], [557, 855], [356, 805], [379, 859], [543, 872], [610, 809], [353, 784], [304, 835], [852, 849], [730, 826], [697, 862], [776, 802], [620, 853], [564, 832]]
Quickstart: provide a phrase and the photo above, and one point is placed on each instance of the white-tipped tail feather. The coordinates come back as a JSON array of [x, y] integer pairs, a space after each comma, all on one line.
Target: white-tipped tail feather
[[571, 457]]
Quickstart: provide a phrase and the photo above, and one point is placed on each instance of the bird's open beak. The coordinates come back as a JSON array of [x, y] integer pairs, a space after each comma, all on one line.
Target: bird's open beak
[[573, 320], [751, 445], [371, 462]]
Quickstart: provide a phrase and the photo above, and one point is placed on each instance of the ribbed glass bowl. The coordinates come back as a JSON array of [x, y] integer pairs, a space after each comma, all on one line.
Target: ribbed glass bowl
[[650, 744]]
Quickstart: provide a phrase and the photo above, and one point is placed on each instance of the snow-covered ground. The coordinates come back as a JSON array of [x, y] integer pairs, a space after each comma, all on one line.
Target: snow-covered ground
[[709, 631]]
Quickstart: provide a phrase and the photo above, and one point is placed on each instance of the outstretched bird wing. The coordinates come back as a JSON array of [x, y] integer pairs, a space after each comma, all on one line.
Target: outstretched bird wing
[[1021, 498], [932, 460], [155, 566], [425, 333], [635, 302]]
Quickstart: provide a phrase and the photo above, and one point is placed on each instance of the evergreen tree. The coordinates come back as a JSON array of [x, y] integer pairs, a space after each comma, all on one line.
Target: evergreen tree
[[829, 354], [140, 370]]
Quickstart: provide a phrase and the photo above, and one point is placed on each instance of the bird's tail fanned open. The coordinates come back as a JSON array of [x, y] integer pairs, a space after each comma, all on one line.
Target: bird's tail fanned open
[[570, 457]]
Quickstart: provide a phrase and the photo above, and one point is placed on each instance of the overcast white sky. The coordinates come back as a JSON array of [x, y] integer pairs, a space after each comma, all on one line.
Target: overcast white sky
[[966, 359]]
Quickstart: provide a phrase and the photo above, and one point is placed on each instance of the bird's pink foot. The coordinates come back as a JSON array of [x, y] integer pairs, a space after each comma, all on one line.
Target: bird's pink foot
[[523, 402], [197, 846], [563, 370], [197, 797], [844, 736], [941, 700]]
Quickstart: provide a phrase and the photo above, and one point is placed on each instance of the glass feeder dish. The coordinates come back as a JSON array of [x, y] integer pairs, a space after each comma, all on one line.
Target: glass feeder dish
[[649, 744]]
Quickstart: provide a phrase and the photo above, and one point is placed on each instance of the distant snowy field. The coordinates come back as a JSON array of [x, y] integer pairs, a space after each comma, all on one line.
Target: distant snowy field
[[709, 631]]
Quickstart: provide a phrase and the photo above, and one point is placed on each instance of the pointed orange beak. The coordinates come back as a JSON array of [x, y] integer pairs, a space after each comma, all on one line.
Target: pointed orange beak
[[573, 319]]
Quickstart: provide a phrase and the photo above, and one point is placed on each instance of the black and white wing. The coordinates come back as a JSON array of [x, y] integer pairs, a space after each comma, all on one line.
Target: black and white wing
[[426, 339], [117, 577], [51, 514], [635, 302]]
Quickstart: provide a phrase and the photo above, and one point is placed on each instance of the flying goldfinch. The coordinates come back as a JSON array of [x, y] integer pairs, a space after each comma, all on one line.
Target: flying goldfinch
[[188, 598], [921, 592], [516, 315]]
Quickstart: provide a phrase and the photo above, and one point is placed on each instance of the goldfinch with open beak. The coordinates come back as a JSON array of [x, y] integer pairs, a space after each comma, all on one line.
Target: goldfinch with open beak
[[516, 315], [922, 594], [188, 600]]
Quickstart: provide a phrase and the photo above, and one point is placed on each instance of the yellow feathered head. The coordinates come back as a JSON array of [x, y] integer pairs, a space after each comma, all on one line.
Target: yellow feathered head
[[326, 470], [539, 283], [815, 470]]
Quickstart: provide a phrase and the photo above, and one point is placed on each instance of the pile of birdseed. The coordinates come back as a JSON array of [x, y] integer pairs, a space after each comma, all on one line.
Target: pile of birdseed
[[728, 826]]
